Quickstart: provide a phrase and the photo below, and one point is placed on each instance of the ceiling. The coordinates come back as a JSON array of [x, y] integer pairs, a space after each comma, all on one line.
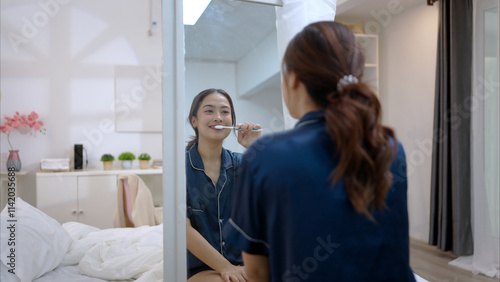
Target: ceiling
[[228, 30]]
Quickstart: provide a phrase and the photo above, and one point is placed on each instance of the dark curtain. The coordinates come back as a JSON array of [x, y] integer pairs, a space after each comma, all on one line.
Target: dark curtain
[[450, 217]]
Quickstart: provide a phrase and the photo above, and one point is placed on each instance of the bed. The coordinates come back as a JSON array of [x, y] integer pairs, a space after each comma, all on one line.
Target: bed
[[40, 249], [37, 248]]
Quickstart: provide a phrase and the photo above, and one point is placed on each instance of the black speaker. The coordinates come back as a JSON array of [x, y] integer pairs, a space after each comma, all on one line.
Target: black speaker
[[78, 156]]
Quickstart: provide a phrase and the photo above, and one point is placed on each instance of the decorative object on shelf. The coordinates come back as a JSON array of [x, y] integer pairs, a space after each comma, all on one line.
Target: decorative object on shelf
[[355, 27], [157, 164], [13, 160], [107, 161], [126, 158], [54, 165], [22, 123], [144, 160]]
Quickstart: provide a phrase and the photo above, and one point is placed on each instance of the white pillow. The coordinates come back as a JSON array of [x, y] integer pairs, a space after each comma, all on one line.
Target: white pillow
[[40, 242]]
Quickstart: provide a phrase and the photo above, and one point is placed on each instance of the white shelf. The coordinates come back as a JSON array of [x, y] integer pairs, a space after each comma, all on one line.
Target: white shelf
[[20, 173], [101, 172]]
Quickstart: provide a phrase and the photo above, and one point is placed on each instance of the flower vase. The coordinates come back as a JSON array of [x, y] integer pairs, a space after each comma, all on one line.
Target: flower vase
[[107, 165], [127, 164], [13, 160], [144, 164]]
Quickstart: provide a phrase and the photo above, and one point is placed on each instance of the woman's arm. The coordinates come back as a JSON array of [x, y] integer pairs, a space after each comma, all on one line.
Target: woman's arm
[[201, 249], [256, 267]]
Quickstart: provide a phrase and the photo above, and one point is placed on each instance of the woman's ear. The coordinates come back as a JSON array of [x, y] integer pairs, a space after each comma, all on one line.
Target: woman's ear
[[295, 80], [194, 122], [292, 81]]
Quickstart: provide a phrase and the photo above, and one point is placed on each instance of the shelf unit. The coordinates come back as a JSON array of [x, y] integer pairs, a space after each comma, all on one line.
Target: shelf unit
[[369, 44]]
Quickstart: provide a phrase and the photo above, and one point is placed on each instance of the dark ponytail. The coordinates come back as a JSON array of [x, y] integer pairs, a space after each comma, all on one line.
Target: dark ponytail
[[195, 105], [366, 152], [322, 56]]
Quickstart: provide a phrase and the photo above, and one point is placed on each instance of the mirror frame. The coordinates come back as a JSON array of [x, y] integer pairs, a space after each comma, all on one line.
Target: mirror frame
[[174, 178]]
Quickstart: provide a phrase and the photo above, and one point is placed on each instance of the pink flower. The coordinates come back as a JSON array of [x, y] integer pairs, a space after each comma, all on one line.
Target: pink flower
[[5, 128], [33, 116], [37, 125], [18, 121]]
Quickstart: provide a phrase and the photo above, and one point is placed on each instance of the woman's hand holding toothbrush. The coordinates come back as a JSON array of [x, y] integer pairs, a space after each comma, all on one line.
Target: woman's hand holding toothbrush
[[247, 133]]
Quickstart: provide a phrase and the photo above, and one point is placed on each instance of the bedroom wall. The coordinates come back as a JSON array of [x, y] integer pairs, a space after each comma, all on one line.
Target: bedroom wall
[[408, 46], [58, 58]]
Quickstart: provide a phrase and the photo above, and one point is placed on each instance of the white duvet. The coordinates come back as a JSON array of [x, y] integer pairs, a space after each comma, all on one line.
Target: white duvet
[[118, 253]]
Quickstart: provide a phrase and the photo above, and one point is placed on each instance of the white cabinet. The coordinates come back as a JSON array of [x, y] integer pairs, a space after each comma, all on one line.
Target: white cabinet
[[97, 200], [88, 196], [369, 44], [58, 197], [86, 199]]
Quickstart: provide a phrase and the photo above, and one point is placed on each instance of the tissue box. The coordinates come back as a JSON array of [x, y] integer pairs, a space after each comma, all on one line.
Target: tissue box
[[54, 165]]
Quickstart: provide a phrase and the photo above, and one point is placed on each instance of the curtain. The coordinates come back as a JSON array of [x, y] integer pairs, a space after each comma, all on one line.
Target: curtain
[[450, 215], [485, 144]]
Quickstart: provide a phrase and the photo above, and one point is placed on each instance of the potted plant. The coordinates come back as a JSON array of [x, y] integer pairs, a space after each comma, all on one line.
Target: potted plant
[[144, 160], [107, 161], [126, 158]]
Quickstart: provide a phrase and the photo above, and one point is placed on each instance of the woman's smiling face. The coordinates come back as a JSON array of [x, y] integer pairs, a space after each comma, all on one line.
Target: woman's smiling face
[[214, 110]]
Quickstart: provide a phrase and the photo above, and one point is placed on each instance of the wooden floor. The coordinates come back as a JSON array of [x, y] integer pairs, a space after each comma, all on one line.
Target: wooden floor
[[431, 264]]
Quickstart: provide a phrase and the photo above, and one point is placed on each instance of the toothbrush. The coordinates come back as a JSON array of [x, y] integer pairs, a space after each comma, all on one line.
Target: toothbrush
[[232, 127]]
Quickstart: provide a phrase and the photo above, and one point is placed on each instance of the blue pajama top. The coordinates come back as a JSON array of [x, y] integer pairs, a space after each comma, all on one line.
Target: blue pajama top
[[208, 206], [285, 208]]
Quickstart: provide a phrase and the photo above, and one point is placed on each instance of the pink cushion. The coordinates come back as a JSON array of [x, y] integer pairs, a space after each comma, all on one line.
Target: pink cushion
[[128, 200]]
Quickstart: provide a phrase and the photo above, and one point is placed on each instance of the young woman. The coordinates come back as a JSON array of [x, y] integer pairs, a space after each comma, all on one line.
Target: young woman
[[325, 201], [210, 178]]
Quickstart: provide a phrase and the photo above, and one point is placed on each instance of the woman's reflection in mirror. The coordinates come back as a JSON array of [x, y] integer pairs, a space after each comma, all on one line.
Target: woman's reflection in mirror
[[210, 179]]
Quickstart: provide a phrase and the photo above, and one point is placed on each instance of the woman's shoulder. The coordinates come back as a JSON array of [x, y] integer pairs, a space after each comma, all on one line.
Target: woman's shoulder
[[399, 166], [400, 152], [397, 147]]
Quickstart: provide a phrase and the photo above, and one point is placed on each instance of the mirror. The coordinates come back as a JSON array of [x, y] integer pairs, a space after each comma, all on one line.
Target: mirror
[[233, 46]]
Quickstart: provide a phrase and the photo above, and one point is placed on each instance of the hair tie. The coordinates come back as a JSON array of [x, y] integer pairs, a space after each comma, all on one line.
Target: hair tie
[[346, 80]]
